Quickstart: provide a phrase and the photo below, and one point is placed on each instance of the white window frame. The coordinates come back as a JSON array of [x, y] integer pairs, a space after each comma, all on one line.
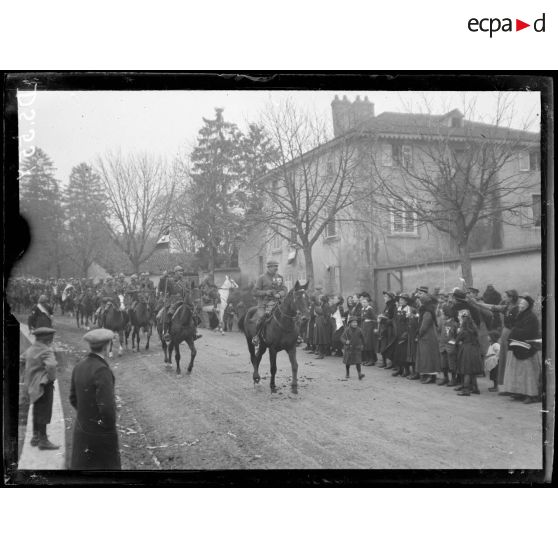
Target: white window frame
[[387, 154], [405, 232], [276, 243], [533, 196], [331, 222], [406, 156], [524, 161]]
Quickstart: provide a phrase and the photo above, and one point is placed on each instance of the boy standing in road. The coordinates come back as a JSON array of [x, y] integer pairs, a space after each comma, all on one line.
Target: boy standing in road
[[39, 361]]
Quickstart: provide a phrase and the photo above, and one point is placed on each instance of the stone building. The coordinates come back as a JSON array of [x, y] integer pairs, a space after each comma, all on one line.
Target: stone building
[[374, 248]]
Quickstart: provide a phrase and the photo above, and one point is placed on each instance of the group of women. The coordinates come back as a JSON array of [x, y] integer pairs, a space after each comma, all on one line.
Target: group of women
[[453, 337]]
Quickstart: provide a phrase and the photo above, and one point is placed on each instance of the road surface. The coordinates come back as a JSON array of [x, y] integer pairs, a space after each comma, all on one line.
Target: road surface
[[214, 418]]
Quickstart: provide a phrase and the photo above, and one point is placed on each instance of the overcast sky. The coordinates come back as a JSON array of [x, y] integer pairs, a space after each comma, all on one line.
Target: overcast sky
[[76, 126]]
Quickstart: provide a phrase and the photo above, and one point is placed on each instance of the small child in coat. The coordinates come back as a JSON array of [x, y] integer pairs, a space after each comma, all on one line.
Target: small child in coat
[[353, 342], [447, 332], [492, 359]]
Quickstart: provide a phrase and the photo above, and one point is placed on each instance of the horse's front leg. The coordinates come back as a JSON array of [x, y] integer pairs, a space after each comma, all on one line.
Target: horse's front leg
[[193, 353], [177, 359], [294, 368], [272, 368], [148, 331], [110, 349], [120, 342]]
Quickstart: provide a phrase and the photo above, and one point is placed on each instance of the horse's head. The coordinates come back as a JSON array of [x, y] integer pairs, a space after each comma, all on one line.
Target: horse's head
[[297, 299]]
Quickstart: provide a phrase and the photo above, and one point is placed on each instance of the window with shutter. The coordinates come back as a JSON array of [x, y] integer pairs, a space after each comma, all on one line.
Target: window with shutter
[[387, 155], [403, 221], [536, 207]]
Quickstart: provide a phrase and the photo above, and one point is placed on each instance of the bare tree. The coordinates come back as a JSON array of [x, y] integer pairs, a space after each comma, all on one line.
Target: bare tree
[[140, 192], [459, 176], [314, 184]]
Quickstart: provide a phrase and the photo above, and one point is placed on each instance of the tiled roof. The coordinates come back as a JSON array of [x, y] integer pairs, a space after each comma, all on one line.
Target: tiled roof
[[412, 124]]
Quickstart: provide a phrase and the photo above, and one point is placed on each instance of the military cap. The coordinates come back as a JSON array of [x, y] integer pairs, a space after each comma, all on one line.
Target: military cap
[[353, 319], [272, 262], [178, 268], [423, 290], [98, 337], [134, 276], [43, 298], [43, 332]]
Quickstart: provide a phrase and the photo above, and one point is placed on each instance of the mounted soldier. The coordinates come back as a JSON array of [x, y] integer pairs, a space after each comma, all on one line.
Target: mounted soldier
[[268, 292], [178, 293], [108, 296]]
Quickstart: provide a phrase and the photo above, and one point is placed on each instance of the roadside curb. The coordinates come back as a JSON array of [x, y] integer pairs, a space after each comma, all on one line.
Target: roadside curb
[[32, 458]]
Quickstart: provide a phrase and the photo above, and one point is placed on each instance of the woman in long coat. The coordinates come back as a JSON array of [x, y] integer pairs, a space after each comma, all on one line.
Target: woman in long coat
[[323, 327], [523, 364], [469, 360], [386, 329], [412, 333], [369, 324], [95, 440], [401, 335], [428, 353]]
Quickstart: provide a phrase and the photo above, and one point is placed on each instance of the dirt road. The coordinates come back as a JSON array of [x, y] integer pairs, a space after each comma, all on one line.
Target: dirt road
[[215, 418]]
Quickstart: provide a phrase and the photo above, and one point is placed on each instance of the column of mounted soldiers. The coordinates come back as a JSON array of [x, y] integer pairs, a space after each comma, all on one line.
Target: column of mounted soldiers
[[449, 338]]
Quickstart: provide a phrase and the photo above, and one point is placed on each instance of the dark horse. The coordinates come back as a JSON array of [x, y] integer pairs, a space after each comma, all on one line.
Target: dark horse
[[141, 318], [181, 329], [278, 334], [117, 320], [85, 308]]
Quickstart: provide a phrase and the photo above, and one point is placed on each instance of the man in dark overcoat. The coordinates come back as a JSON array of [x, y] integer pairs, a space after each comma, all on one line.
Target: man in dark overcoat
[[95, 440]]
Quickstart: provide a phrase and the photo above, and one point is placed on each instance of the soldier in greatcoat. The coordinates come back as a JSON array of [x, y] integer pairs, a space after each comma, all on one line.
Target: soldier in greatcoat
[[95, 439], [41, 314], [266, 293]]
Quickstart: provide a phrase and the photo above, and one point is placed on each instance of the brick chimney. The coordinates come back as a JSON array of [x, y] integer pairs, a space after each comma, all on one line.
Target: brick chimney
[[346, 114]]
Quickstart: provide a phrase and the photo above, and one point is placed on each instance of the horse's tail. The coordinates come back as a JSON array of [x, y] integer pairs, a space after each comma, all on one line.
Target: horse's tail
[[241, 324]]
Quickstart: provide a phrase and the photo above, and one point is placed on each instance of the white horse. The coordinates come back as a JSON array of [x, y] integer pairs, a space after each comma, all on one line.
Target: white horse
[[224, 291]]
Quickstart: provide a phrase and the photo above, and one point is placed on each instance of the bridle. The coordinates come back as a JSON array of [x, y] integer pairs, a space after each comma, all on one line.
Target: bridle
[[284, 314]]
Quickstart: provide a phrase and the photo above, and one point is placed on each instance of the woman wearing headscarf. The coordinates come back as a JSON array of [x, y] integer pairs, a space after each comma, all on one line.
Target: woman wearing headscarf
[[523, 365], [386, 329], [428, 353]]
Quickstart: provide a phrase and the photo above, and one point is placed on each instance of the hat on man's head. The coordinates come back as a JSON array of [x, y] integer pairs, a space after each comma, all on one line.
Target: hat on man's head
[[43, 298], [42, 332], [271, 263], [178, 268], [528, 298], [353, 319], [97, 338], [423, 290], [458, 294]]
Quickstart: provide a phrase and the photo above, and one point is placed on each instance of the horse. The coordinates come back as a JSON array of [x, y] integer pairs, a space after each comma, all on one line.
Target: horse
[[117, 320], [85, 308], [68, 300], [181, 329], [224, 291], [278, 334], [141, 317]]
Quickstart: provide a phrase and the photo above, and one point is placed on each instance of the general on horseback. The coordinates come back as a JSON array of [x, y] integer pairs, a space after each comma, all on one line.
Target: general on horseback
[[272, 324]]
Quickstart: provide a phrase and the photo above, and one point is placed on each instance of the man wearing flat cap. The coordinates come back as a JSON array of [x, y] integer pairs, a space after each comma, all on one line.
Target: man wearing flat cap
[[40, 372], [95, 439], [265, 293]]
